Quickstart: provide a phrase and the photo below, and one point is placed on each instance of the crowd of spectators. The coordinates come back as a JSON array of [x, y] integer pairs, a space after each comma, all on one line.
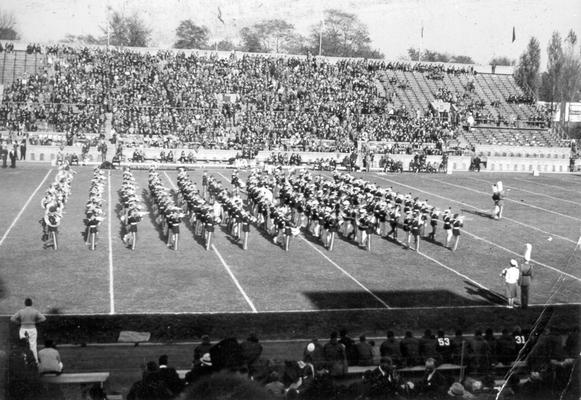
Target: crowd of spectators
[[398, 367], [230, 102], [8, 47]]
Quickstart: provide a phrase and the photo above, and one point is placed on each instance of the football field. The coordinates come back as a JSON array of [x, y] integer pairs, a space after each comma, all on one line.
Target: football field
[[543, 211]]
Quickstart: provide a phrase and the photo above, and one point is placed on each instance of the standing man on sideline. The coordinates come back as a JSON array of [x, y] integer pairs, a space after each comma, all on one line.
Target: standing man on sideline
[[23, 150], [28, 317], [511, 277], [526, 276]]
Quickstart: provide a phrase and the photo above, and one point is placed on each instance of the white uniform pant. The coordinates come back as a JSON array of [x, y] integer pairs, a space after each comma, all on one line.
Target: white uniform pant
[[31, 335]]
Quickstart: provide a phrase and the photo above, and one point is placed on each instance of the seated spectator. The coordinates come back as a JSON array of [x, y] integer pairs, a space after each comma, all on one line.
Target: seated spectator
[[169, 376], [202, 348], [364, 352], [410, 349], [457, 391], [200, 369], [150, 386], [314, 351], [349, 345], [433, 383], [49, 359], [391, 348], [335, 356], [251, 352], [429, 346]]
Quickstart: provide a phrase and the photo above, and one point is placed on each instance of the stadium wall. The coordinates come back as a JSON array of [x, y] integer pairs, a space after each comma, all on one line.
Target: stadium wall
[[526, 160]]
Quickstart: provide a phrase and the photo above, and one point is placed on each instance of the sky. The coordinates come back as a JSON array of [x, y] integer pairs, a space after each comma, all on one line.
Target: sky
[[481, 29]]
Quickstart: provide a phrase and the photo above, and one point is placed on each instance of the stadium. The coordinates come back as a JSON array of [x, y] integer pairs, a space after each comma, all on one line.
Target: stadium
[[250, 212]]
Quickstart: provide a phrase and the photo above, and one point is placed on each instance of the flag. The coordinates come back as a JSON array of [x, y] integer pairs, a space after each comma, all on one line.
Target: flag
[[513, 34], [422, 32], [220, 16]]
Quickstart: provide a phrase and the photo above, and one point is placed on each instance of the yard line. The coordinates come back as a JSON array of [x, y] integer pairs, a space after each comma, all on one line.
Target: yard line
[[24, 207], [547, 184], [528, 191], [111, 287], [345, 272], [482, 210], [235, 280], [478, 237], [506, 199], [170, 181], [228, 181]]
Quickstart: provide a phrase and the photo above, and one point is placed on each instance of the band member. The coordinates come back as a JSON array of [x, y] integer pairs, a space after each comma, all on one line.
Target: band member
[[457, 223], [407, 227], [415, 230], [434, 216], [394, 217], [447, 219], [497, 197], [204, 184]]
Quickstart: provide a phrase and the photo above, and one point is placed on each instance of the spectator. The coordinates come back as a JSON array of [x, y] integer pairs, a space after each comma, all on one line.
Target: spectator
[[314, 351], [202, 348], [251, 351], [169, 376], [49, 359], [433, 383], [335, 356], [364, 352], [429, 346], [480, 353], [28, 317], [23, 372], [150, 387], [199, 369], [349, 345], [410, 349]]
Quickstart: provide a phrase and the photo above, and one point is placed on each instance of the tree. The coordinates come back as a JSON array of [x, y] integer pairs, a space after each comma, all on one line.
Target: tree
[[7, 26], [505, 61], [343, 35], [250, 41], [224, 45], [127, 31], [527, 70], [191, 36], [273, 35]]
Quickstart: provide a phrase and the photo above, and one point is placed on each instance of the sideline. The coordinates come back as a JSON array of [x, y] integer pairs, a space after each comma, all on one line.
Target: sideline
[[549, 185], [24, 208]]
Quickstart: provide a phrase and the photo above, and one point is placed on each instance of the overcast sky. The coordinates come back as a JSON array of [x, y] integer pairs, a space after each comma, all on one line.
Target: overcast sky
[[477, 28]]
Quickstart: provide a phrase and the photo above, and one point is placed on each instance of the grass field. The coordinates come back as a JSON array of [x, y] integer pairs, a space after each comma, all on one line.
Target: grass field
[[543, 211]]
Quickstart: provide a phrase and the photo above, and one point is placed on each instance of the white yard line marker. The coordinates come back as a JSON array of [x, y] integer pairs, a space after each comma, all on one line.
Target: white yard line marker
[[224, 263], [549, 185], [345, 272], [527, 191], [235, 280], [506, 199], [111, 286], [24, 207], [481, 210], [478, 237]]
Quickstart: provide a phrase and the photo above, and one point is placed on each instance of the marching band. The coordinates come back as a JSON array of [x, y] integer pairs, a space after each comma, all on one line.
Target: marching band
[[53, 203]]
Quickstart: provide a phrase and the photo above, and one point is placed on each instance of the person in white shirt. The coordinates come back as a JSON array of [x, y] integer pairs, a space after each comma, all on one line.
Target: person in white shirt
[[511, 277], [49, 359], [28, 317]]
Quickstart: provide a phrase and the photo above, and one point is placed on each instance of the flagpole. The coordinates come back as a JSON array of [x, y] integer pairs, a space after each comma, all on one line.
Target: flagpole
[[421, 42], [321, 37]]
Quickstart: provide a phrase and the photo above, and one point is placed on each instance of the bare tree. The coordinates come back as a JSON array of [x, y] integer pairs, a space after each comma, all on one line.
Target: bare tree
[[7, 26]]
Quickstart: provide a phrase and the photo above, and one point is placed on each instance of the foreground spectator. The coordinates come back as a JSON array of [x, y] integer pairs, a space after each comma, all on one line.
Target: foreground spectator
[[169, 376], [49, 359], [226, 386]]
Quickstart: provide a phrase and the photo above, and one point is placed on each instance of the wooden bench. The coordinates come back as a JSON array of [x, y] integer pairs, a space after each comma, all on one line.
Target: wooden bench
[[77, 378], [418, 369]]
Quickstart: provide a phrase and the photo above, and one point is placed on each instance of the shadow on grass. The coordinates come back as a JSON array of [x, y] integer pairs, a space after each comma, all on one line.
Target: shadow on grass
[[3, 290], [493, 297], [398, 298], [477, 213], [231, 239]]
